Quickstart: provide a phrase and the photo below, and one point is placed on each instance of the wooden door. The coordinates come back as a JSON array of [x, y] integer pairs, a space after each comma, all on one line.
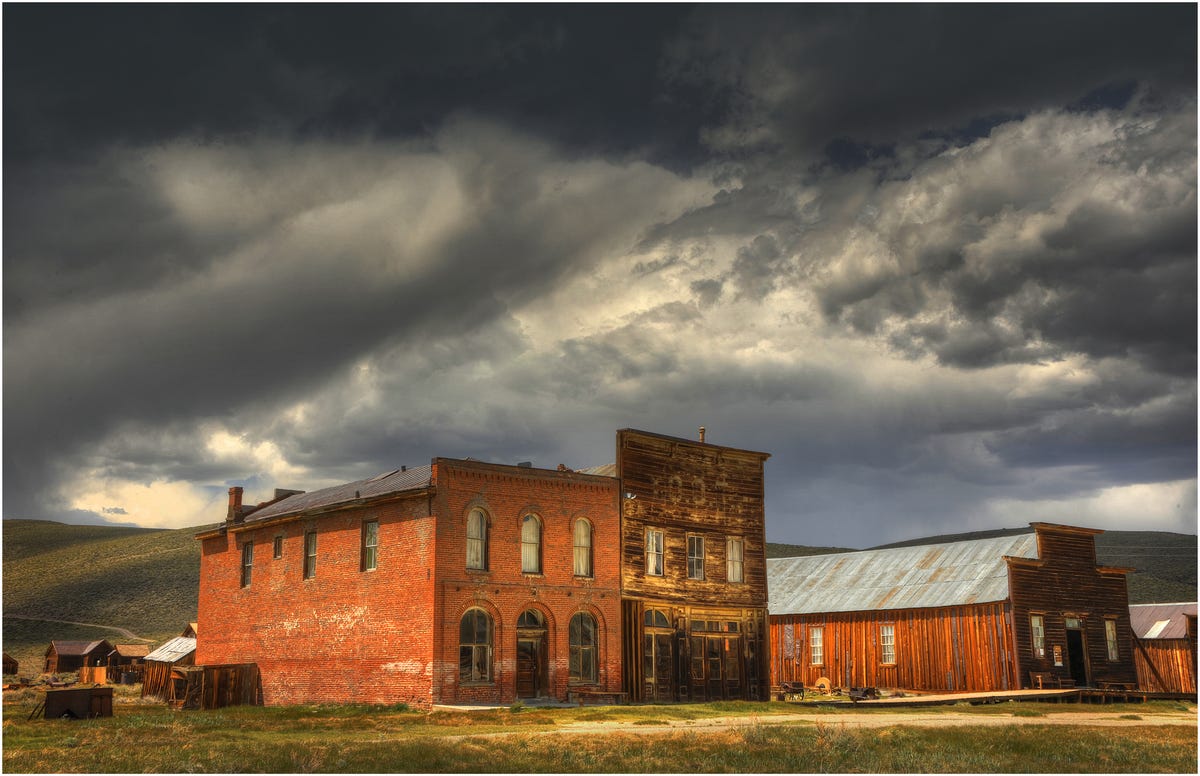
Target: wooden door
[[658, 663], [530, 661]]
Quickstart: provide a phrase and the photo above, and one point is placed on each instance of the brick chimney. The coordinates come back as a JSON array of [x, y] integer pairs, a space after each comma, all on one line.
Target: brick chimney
[[235, 505]]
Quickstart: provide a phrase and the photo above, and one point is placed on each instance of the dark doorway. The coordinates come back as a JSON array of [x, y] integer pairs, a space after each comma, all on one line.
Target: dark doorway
[[531, 655], [1077, 657]]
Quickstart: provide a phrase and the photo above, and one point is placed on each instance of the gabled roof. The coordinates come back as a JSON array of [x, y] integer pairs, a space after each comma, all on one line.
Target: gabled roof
[[78, 647], [931, 575], [398, 481], [175, 649], [131, 650], [1161, 621]]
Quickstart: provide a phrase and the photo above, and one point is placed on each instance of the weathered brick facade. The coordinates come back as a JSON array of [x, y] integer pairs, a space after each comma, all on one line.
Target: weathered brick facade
[[392, 634]]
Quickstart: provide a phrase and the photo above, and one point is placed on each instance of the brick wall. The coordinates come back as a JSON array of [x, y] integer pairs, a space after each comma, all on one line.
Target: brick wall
[[343, 636], [507, 494]]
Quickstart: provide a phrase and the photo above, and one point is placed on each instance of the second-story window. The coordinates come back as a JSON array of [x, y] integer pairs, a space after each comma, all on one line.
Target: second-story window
[[310, 554], [733, 560], [370, 546], [654, 552], [247, 562], [531, 545], [278, 547], [583, 548], [695, 557], [477, 525]]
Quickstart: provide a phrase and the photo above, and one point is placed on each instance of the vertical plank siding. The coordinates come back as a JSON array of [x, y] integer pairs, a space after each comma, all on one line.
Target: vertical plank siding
[[1165, 665], [964, 648]]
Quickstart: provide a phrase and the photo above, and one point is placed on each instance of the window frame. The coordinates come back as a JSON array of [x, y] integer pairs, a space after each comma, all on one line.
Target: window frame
[[247, 563], [1037, 635], [310, 554], [531, 550], [655, 550], [277, 547], [577, 650], [581, 554], [816, 646], [479, 542], [369, 552], [696, 562], [487, 646], [1110, 640], [887, 643], [730, 543]]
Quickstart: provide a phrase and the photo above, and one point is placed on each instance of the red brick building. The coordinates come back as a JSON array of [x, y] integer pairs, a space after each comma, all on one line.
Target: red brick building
[[456, 582]]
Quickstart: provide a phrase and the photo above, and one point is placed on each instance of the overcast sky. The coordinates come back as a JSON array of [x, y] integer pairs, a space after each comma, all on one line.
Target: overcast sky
[[939, 261]]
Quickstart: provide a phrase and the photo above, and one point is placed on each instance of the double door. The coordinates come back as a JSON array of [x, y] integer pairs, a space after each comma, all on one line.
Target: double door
[[716, 663]]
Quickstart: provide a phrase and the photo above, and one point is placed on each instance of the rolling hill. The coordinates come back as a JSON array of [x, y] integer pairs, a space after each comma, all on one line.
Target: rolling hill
[[147, 580]]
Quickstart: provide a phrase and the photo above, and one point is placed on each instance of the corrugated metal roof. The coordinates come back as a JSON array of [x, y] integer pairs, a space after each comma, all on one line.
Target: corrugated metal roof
[[175, 649], [603, 470], [384, 484], [920, 577], [1160, 621], [75, 647]]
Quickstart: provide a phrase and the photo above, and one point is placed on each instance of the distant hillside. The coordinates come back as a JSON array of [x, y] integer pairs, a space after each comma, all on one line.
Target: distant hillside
[[775, 550], [145, 580]]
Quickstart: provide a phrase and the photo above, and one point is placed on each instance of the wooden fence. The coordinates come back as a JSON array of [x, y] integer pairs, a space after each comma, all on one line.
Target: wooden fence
[[1165, 665]]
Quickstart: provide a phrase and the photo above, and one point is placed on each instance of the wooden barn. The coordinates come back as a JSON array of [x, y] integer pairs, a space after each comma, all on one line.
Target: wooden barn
[[1012, 612], [159, 664], [65, 656], [127, 659], [10, 664], [1164, 640]]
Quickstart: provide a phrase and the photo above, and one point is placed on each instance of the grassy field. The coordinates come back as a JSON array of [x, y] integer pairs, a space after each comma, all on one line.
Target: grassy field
[[361, 739]]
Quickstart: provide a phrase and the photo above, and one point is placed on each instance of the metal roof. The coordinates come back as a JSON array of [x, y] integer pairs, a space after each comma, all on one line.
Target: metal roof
[[77, 647], [603, 470], [175, 649], [397, 481], [931, 575], [1160, 621]]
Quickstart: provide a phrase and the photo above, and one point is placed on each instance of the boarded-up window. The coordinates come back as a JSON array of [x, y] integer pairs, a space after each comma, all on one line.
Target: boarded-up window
[[695, 561], [247, 562], [816, 646], [477, 525], [475, 647], [531, 545], [733, 560], [887, 644], [370, 545], [310, 554], [1110, 636], [1037, 625], [583, 548], [583, 663], [654, 552]]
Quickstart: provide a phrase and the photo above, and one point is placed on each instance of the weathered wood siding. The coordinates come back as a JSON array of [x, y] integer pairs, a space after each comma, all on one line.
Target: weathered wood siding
[[1165, 665], [1063, 583], [961, 649], [685, 488]]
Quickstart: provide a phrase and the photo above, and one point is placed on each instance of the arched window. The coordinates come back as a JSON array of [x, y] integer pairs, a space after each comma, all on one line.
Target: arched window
[[531, 618], [656, 619], [531, 545], [475, 647], [477, 530], [583, 648], [583, 548]]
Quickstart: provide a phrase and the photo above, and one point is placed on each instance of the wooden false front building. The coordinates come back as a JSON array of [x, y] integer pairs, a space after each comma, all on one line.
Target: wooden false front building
[[693, 569], [982, 615]]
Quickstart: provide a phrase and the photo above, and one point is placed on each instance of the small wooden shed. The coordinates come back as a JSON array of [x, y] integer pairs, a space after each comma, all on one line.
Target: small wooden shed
[[11, 666], [127, 659], [1165, 646], [156, 678], [64, 656]]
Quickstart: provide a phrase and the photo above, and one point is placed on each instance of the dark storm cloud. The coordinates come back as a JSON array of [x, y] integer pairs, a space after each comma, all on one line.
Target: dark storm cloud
[[927, 256]]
